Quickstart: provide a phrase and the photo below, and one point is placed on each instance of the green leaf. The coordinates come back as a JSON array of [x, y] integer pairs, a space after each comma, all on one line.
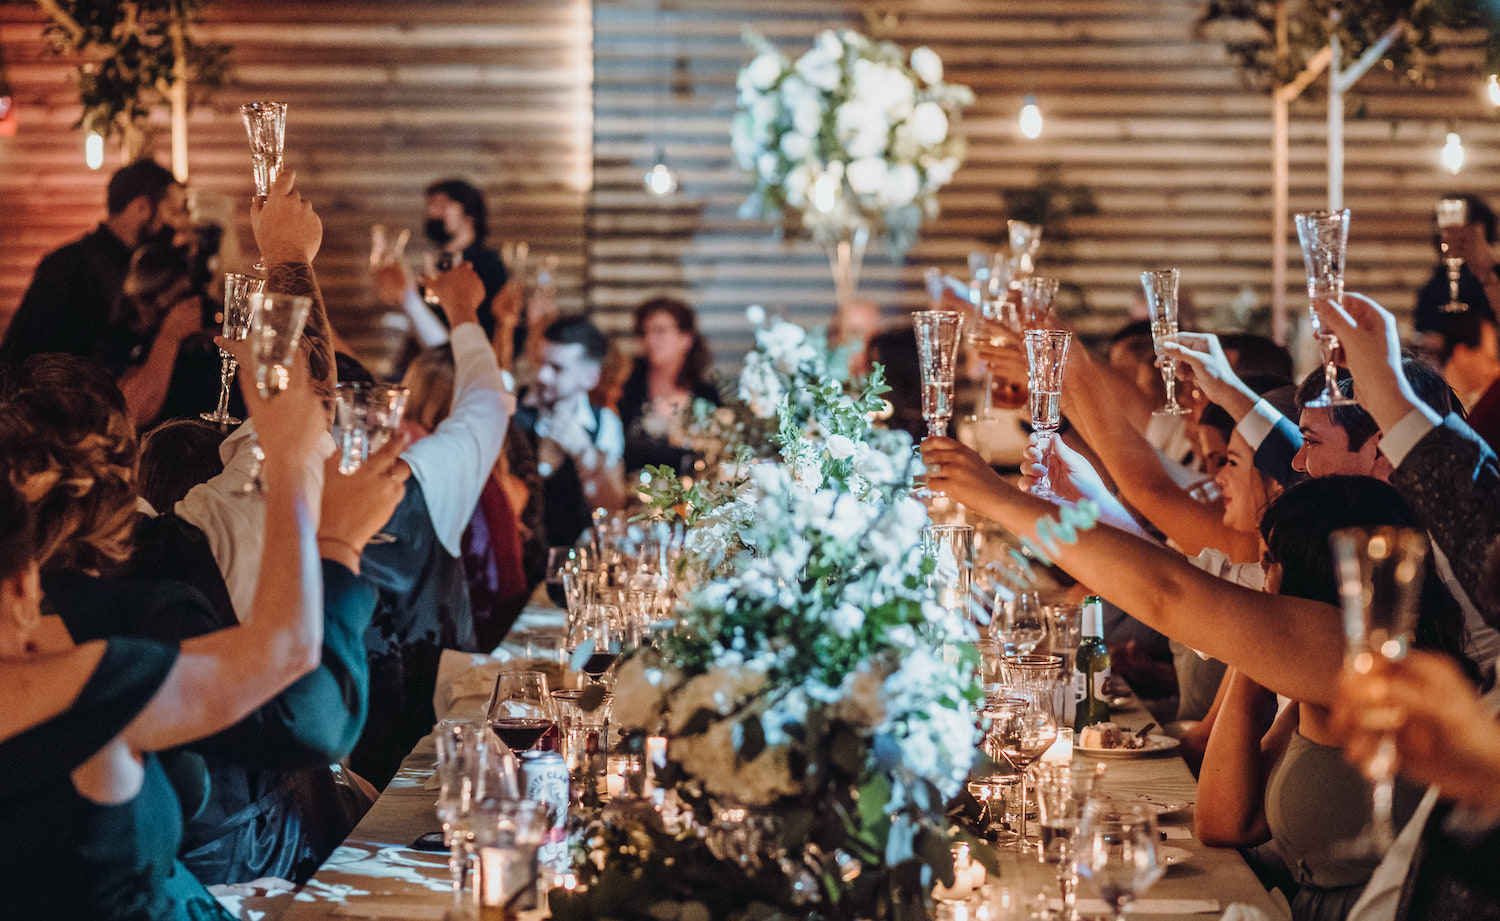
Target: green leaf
[[873, 797], [749, 738], [932, 849]]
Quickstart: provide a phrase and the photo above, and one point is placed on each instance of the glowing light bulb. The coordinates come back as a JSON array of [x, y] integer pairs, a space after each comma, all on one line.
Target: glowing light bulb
[[660, 180], [1494, 88], [93, 150], [1453, 153], [1031, 117]]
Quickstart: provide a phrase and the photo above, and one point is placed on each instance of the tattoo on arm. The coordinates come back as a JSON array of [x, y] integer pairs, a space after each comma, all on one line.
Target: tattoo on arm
[[298, 278]]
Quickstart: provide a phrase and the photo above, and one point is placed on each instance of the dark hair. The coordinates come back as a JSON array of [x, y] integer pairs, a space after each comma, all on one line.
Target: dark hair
[[176, 456], [695, 366], [143, 177], [351, 369], [1131, 330], [18, 538], [469, 198], [579, 330], [1298, 523], [1357, 423], [895, 350], [154, 270], [1463, 328], [61, 371], [1217, 418], [1478, 212], [1257, 356]]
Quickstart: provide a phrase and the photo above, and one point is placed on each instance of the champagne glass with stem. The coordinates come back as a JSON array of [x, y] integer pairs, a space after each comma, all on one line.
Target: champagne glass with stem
[[1114, 847], [265, 123], [1046, 356], [1161, 305], [1324, 236], [937, 354], [1380, 575], [276, 323], [1452, 215], [237, 291]]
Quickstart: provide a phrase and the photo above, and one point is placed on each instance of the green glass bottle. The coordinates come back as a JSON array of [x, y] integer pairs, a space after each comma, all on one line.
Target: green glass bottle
[[1093, 664]]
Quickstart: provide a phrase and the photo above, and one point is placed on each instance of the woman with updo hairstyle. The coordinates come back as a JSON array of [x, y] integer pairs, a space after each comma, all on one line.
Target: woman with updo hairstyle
[[672, 370]]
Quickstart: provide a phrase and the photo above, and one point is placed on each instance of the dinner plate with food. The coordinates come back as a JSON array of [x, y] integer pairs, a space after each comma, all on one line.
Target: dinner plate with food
[[1106, 740]]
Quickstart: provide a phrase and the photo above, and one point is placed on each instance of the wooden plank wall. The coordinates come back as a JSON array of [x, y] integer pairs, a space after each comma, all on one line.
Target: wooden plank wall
[[1148, 116], [384, 98], [556, 107]]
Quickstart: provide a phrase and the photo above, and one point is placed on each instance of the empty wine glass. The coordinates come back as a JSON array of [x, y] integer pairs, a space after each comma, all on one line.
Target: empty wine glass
[[265, 123], [276, 323], [952, 548], [1115, 849], [462, 772], [1161, 305], [1022, 623], [937, 350], [1038, 296], [1046, 355], [237, 316], [1452, 214], [1324, 236], [1021, 734], [521, 711], [1380, 574]]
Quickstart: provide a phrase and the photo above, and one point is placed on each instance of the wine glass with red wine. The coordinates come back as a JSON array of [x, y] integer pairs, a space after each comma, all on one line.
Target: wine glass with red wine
[[521, 711], [594, 635]]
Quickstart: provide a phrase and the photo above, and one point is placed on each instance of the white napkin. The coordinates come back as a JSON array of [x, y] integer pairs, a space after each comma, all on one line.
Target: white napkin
[[1146, 906], [465, 682], [1176, 831], [1239, 911]]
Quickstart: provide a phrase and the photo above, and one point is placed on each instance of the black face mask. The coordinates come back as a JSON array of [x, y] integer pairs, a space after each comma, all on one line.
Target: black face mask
[[437, 231]]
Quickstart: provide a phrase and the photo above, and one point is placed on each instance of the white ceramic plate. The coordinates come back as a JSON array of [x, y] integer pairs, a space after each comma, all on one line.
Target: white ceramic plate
[[1155, 743], [1172, 856], [1162, 805]]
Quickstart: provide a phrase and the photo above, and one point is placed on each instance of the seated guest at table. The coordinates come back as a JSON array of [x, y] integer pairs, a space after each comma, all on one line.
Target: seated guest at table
[[672, 371], [578, 446], [1289, 645], [91, 824]]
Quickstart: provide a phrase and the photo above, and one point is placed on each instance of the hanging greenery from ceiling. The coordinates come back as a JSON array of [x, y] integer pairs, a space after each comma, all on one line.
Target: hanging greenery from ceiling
[[129, 54], [1273, 40]]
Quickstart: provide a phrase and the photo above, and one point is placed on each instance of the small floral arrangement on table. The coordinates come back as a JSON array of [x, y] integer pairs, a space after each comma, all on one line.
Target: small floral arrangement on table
[[817, 702], [852, 133]]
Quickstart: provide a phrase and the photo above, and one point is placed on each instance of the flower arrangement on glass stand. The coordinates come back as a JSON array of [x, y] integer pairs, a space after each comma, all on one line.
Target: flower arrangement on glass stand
[[851, 138], [817, 702]]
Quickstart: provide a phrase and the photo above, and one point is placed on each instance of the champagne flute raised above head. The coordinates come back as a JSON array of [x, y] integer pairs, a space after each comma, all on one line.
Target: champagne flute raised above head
[[1324, 236], [937, 352], [237, 318], [366, 416], [265, 123], [1046, 356], [1025, 240], [1452, 215], [1161, 305], [1038, 299]]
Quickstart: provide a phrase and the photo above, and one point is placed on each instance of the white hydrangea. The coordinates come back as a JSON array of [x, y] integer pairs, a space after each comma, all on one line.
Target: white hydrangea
[[929, 124], [927, 65]]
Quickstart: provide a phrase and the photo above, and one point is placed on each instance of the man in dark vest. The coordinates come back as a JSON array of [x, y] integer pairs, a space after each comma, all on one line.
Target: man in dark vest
[[578, 445]]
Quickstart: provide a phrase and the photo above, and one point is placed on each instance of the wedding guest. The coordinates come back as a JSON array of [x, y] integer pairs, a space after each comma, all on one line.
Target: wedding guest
[[1469, 354], [71, 297], [672, 371], [158, 310], [91, 825], [579, 447], [1478, 285], [176, 456]]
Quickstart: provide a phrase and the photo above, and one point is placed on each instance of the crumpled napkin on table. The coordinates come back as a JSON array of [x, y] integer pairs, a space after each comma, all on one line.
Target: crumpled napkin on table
[[465, 682], [1239, 911]]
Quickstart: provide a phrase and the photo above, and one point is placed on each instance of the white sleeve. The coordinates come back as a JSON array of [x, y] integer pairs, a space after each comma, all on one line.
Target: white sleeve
[[1258, 423], [453, 463], [430, 330], [1404, 435], [611, 440]]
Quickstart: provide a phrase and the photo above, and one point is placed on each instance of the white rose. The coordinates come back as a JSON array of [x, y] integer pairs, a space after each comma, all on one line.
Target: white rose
[[845, 519], [940, 172], [762, 72], [799, 180], [846, 620], [796, 146], [867, 175], [768, 166], [927, 65], [807, 116], [841, 447], [929, 124], [902, 186], [755, 314]]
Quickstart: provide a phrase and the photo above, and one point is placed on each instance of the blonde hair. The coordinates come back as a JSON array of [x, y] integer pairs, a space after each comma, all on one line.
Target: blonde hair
[[429, 384]]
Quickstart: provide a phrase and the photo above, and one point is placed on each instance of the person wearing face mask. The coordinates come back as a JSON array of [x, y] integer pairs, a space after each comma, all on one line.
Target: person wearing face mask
[[456, 223], [67, 307]]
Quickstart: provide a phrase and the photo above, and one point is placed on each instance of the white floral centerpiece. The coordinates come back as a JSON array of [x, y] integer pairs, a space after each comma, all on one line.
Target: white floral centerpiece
[[817, 701], [853, 134]]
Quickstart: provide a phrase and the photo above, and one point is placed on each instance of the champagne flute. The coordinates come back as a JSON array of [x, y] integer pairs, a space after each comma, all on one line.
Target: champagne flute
[[1000, 325], [1452, 215], [1161, 304], [1380, 574], [1025, 240], [1115, 849], [1038, 296], [1046, 355], [237, 291], [521, 711], [276, 324], [937, 350], [265, 123], [1324, 236]]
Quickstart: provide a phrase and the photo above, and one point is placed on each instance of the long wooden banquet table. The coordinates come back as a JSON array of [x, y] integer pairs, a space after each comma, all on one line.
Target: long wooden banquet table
[[376, 874]]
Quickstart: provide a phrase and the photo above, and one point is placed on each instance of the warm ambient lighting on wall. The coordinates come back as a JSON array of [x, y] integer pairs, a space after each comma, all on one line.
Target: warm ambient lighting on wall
[[93, 150], [1031, 117], [1453, 153]]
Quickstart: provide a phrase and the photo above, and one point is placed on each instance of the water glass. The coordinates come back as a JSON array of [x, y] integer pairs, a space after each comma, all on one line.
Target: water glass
[[463, 772], [1115, 849], [1046, 356], [1038, 299], [366, 415], [1161, 306], [237, 317], [584, 732], [1324, 236], [506, 836]]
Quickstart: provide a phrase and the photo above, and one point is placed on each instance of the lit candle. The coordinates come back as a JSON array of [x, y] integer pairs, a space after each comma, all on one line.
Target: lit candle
[[1061, 749], [968, 876]]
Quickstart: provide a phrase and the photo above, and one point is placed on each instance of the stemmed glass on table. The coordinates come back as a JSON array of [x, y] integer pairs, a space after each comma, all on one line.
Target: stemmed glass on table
[[1452, 214], [237, 317], [1324, 236], [265, 123], [1020, 729], [1023, 623], [952, 548], [465, 771], [1114, 847], [1046, 356], [1062, 791], [1161, 305], [276, 323], [1380, 574], [594, 635], [521, 711]]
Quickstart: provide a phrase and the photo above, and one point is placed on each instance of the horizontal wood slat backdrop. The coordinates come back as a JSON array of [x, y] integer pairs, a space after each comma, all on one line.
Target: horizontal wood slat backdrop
[[557, 108]]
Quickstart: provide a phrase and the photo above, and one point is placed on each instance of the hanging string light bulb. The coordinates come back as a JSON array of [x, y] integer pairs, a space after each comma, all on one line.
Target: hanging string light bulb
[[660, 180], [1494, 88], [1453, 153], [1031, 117], [93, 150]]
